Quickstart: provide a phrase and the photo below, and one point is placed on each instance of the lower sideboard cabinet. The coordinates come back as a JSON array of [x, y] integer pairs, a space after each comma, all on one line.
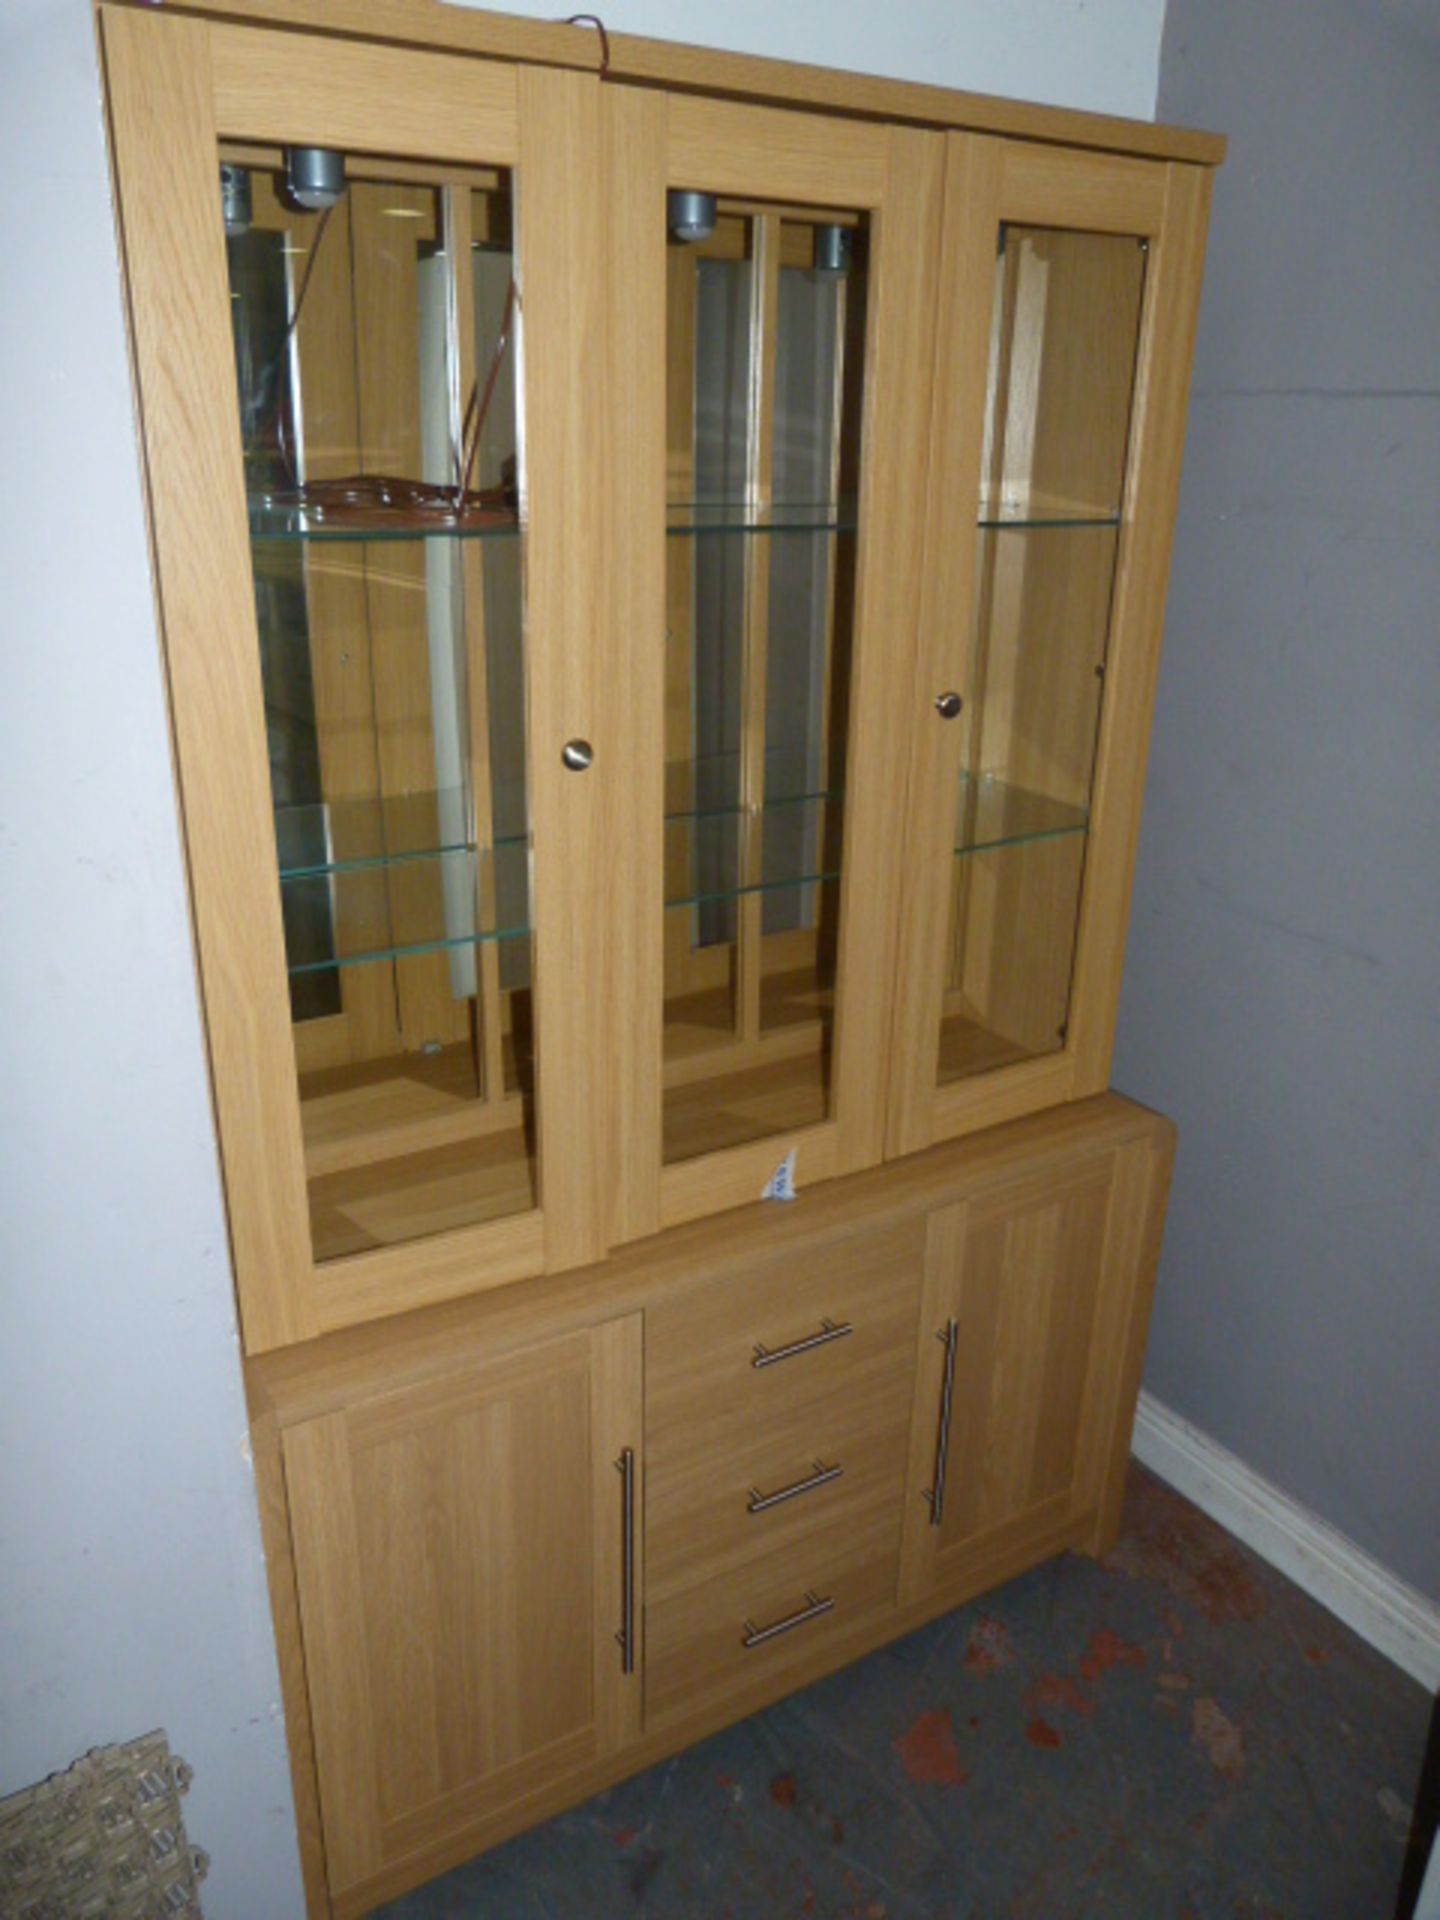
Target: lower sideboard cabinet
[[460, 1565], [524, 1545], [1031, 1337]]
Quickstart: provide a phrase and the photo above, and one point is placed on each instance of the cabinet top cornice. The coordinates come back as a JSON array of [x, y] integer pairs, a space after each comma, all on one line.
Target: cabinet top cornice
[[462, 30]]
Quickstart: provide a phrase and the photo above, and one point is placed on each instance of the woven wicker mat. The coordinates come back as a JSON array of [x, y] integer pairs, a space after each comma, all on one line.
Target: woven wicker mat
[[103, 1841]]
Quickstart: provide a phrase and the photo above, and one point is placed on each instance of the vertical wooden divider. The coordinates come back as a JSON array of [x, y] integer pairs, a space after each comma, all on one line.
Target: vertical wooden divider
[[634, 129], [936, 748], [561, 273], [591, 206], [896, 427]]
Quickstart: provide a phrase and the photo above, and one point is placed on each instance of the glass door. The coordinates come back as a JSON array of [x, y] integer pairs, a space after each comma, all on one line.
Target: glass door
[[1037, 649], [792, 423], [375, 361], [365, 324]]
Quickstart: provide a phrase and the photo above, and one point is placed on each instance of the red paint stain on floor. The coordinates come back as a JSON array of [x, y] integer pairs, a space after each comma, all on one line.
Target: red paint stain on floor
[[1107, 1651], [1059, 1690], [988, 1649], [783, 1790], [1218, 1737], [1172, 1544], [1041, 1734], [928, 1753]]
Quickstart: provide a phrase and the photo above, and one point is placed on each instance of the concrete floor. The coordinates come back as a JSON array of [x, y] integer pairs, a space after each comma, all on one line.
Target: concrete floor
[[1177, 1733]]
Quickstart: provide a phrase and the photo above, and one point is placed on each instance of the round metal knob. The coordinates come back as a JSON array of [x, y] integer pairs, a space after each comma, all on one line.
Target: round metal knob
[[577, 755], [948, 705]]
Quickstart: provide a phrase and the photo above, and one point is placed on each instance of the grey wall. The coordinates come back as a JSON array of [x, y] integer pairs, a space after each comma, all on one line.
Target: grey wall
[[1282, 995], [131, 1581], [131, 1584]]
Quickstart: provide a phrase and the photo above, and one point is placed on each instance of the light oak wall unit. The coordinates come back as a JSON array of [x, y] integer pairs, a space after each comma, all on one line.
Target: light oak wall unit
[[654, 710]]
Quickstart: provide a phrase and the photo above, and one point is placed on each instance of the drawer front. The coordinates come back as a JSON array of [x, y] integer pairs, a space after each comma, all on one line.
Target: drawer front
[[746, 1630], [830, 1329], [712, 1509]]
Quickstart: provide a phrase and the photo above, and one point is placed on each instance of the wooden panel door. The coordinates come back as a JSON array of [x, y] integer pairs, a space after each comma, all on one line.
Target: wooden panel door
[[465, 1560], [1068, 291], [1036, 1302]]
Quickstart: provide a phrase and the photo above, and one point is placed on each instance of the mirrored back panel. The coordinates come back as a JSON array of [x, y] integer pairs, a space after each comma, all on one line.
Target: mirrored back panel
[[1062, 372], [765, 359]]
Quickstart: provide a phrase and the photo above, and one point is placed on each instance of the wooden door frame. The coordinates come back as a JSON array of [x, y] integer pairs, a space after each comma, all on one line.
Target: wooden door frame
[[894, 176], [988, 182], [178, 87]]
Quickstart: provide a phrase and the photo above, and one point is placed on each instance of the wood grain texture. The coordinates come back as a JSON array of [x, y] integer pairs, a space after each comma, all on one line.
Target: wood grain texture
[[1152, 489], [935, 748], [573, 669], [671, 64], [292, 87], [1137, 1226], [1066, 1193], [897, 435], [279, 1549], [459, 1558], [1092, 193], [1043, 1279], [723, 146], [327, 1374], [164, 139], [633, 129]]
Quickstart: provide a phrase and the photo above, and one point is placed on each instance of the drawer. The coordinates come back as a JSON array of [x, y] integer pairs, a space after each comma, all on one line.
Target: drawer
[[833, 1327], [744, 1630], [834, 1469]]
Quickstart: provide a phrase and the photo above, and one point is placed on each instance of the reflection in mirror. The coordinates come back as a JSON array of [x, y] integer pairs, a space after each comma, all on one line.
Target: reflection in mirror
[[765, 330]]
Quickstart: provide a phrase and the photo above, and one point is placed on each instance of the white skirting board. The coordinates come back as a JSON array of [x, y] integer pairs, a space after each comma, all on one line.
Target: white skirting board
[[1393, 1617]]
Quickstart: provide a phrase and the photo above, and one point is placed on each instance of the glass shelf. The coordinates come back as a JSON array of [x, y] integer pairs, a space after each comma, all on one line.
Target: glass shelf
[[311, 524], [683, 520], [688, 517], [1036, 511], [994, 814]]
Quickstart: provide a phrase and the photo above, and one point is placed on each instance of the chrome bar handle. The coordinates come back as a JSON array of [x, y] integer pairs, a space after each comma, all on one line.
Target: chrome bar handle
[[829, 1330], [625, 1638], [936, 1496], [821, 1477], [814, 1606]]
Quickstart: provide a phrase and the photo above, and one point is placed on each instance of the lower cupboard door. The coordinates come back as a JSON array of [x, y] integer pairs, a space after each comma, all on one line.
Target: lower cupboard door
[[1024, 1294], [465, 1563]]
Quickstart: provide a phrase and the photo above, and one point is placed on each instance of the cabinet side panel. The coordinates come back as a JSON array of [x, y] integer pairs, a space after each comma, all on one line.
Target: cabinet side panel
[[332, 1600], [1132, 1257], [1151, 495], [166, 157], [285, 1606]]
